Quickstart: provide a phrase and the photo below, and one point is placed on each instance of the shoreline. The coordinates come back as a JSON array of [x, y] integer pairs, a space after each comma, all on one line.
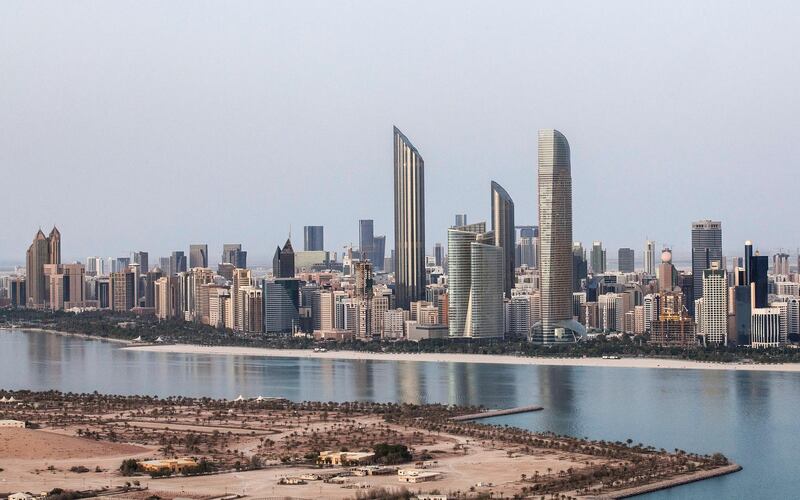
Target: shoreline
[[670, 483], [84, 336], [463, 358]]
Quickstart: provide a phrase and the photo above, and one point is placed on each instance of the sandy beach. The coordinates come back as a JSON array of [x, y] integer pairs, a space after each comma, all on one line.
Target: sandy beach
[[465, 358]]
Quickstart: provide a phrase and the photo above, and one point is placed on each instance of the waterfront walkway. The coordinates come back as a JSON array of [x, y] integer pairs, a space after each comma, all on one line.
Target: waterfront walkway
[[497, 413]]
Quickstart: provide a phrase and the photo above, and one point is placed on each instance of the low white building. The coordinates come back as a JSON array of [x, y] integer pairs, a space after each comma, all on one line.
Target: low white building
[[417, 475]]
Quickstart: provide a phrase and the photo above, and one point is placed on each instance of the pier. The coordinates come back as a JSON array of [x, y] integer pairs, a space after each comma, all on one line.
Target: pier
[[669, 483], [497, 413]]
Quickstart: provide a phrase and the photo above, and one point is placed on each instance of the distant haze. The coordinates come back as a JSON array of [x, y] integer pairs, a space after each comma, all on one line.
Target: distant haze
[[154, 125]]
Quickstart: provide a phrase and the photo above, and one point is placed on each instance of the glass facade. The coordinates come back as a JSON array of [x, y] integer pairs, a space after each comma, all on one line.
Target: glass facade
[[409, 222]]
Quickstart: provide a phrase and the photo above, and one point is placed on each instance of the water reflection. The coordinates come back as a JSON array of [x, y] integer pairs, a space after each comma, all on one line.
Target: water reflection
[[750, 416]]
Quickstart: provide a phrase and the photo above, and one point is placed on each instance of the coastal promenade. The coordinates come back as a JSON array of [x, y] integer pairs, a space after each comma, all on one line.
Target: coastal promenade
[[622, 362], [497, 413], [670, 483]]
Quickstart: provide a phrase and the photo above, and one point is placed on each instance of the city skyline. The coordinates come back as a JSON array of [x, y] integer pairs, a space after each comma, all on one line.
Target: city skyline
[[178, 116]]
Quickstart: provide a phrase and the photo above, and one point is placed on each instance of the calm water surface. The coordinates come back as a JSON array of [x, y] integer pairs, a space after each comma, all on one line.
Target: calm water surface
[[751, 417]]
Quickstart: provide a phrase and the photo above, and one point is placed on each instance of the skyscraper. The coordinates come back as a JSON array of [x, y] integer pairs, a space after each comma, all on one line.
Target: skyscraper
[[485, 313], [667, 275], [650, 257], [409, 221], [313, 238], [177, 262], [714, 306], [780, 263], [44, 250], [475, 277], [706, 248], [555, 239], [438, 254], [378, 252], [504, 233], [232, 253], [527, 253], [759, 280], [281, 304], [198, 256], [625, 260], [597, 258], [143, 259], [54, 241], [579, 266], [283, 261], [366, 237], [459, 278], [461, 220]]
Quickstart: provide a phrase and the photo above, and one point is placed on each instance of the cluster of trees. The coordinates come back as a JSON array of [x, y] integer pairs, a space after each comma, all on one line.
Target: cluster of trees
[[391, 454]]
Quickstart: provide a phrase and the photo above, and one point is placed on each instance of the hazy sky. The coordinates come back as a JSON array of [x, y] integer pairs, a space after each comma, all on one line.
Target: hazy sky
[[155, 125]]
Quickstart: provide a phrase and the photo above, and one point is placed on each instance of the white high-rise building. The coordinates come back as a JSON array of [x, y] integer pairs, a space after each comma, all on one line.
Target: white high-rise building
[[765, 327], [650, 257], [792, 314], [485, 311], [713, 324], [650, 303], [555, 240], [519, 321], [474, 276]]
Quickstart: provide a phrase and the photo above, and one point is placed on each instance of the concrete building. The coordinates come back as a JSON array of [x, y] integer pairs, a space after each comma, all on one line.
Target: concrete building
[[519, 324], [713, 323], [668, 321], [241, 278], [251, 309], [780, 264], [394, 323], [68, 287], [765, 328], [123, 290], [167, 297], [667, 274], [792, 315], [612, 309]]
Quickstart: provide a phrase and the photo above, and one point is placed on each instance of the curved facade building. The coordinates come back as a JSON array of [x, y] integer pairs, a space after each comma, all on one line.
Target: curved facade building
[[459, 274], [504, 233], [555, 240], [409, 221], [485, 309]]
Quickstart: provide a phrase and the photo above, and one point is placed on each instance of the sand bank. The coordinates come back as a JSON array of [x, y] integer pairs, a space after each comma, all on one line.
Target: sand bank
[[69, 334], [465, 358]]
